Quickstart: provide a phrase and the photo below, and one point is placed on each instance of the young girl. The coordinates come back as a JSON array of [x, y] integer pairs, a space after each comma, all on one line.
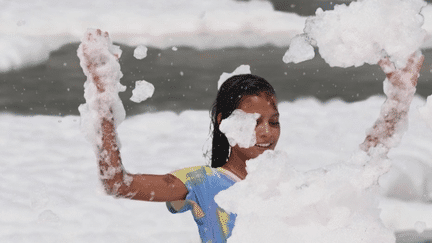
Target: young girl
[[194, 188]]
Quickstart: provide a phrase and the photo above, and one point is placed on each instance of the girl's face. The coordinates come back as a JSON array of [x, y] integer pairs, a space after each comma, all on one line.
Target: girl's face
[[267, 128]]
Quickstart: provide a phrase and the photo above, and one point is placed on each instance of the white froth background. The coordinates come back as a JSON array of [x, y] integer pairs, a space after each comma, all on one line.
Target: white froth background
[[49, 187]]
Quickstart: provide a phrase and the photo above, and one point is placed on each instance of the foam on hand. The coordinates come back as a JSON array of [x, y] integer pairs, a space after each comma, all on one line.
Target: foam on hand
[[99, 61], [239, 128], [140, 52], [366, 31], [143, 90], [242, 69]]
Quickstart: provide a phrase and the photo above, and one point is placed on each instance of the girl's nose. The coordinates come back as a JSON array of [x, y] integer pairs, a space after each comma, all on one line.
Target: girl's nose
[[263, 130]]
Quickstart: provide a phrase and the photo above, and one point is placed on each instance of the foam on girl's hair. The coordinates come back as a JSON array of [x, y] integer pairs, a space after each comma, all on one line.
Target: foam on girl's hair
[[242, 69]]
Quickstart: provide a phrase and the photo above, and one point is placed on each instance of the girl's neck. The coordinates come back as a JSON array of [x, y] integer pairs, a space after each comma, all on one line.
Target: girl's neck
[[236, 165]]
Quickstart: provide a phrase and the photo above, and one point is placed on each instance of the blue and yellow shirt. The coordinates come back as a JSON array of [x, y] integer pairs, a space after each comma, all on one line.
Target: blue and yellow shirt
[[203, 183]]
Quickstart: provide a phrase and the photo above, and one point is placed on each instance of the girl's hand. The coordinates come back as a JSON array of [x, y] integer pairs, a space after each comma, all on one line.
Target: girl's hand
[[406, 77], [394, 112]]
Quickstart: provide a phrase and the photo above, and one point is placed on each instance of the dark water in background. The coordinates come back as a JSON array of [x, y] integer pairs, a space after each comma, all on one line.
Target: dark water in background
[[307, 8], [56, 86]]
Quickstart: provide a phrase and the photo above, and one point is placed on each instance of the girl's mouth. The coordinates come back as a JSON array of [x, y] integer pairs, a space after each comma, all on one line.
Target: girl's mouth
[[263, 145]]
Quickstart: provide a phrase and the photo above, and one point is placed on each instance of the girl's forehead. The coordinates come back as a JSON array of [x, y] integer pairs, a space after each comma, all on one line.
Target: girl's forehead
[[261, 103]]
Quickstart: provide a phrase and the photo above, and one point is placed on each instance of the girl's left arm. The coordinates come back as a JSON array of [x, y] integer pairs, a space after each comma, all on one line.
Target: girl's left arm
[[394, 112]]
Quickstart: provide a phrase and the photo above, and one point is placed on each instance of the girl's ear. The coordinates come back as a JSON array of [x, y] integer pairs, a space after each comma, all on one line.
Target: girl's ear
[[219, 118]]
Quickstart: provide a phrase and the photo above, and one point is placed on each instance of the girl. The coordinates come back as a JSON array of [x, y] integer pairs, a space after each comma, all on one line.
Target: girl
[[194, 188]]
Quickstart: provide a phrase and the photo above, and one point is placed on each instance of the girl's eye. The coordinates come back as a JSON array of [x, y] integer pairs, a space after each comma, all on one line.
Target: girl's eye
[[272, 123], [258, 122]]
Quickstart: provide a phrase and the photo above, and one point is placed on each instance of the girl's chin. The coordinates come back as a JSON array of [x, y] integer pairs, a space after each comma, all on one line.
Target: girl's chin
[[258, 151]]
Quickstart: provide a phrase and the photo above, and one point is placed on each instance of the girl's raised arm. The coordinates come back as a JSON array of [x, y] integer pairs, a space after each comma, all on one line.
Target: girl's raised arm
[[400, 88], [99, 60]]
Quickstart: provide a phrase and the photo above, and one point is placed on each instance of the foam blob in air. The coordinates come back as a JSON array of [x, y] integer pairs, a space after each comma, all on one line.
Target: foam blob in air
[[366, 31], [242, 69], [420, 226], [239, 128], [426, 111], [300, 50], [143, 90], [140, 52]]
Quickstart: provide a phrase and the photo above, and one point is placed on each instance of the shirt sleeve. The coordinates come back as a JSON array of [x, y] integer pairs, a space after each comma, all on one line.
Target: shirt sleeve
[[193, 178]]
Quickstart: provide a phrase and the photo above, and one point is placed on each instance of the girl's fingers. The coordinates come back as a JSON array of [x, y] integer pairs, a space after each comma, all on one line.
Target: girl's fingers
[[410, 63], [386, 65], [413, 67], [418, 63]]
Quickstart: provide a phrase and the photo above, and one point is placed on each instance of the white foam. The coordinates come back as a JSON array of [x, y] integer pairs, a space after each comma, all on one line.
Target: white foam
[[28, 35], [300, 50], [239, 128], [329, 204], [143, 90], [420, 226], [61, 174], [202, 24], [99, 61], [366, 31], [242, 69], [140, 52], [426, 111]]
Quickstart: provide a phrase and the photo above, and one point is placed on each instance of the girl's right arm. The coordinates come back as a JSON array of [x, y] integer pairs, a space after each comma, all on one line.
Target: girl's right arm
[[119, 183], [97, 58]]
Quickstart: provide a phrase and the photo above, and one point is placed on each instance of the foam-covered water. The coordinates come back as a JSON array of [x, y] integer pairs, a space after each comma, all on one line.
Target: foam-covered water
[[50, 192], [30, 30], [50, 189]]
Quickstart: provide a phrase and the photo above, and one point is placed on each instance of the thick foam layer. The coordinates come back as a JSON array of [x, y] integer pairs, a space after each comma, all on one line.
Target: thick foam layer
[[55, 193], [31, 30]]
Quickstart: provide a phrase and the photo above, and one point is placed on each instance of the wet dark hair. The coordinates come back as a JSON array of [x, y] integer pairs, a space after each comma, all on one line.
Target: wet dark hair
[[228, 98]]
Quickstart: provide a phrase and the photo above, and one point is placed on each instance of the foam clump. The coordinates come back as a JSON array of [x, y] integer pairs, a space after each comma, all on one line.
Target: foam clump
[[420, 226], [99, 61], [140, 52], [366, 31], [143, 90], [276, 203], [239, 128], [242, 69], [426, 111], [300, 50]]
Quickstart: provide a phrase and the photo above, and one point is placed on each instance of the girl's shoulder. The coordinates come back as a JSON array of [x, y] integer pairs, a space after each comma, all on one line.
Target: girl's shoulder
[[190, 173], [203, 173]]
